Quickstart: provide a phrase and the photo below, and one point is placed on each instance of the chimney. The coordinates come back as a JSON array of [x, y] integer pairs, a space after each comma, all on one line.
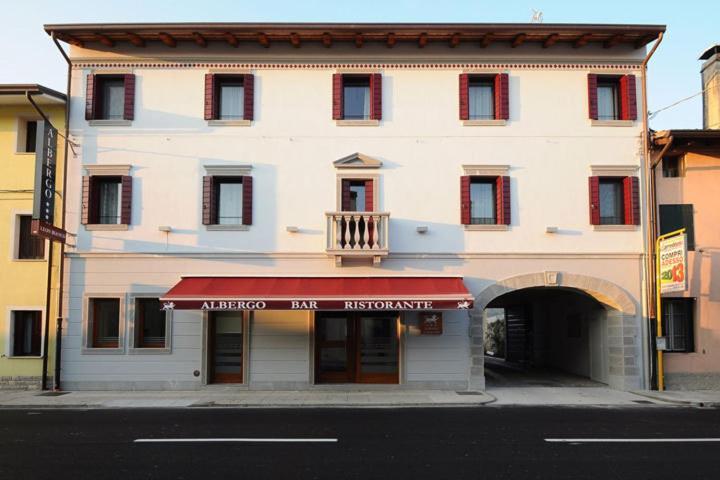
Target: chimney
[[710, 72]]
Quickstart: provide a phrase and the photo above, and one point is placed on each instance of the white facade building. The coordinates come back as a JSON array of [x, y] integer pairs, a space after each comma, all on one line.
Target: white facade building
[[228, 152]]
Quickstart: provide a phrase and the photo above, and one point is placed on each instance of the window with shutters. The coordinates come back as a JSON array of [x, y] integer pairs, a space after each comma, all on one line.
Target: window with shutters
[[357, 98], [26, 333], [678, 318], [229, 98], [107, 201], [29, 247], [150, 324], [614, 201], [485, 199], [675, 217], [612, 97], [104, 322], [227, 201], [484, 98], [110, 97]]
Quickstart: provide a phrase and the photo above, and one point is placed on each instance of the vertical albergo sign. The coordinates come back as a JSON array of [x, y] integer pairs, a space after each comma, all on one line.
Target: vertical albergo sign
[[44, 194], [673, 264]]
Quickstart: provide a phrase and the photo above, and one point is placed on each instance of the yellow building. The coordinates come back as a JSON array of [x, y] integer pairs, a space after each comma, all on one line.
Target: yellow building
[[23, 257]]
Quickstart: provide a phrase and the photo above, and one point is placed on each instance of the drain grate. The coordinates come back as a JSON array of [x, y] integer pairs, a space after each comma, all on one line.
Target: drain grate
[[469, 393], [51, 394]]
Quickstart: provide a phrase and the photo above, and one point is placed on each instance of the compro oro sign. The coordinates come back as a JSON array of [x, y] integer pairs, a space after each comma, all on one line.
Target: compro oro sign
[[673, 264]]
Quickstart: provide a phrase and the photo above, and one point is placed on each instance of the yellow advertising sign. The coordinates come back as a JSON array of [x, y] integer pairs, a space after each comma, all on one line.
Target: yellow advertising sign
[[673, 264]]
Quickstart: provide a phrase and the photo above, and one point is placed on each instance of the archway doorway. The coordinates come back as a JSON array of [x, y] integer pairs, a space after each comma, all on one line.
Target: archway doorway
[[545, 336]]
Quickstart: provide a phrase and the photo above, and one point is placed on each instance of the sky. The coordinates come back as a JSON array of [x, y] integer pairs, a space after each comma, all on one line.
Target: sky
[[29, 56]]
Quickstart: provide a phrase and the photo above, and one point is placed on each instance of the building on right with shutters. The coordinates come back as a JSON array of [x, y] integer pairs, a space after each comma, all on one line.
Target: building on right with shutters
[[687, 174]]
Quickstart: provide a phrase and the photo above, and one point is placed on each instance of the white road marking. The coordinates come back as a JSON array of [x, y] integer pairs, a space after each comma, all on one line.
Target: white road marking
[[631, 440], [235, 440]]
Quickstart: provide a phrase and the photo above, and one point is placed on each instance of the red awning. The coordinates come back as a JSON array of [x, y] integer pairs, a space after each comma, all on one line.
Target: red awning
[[318, 293]]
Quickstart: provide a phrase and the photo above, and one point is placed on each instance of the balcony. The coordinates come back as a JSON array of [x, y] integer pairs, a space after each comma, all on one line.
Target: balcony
[[357, 235]]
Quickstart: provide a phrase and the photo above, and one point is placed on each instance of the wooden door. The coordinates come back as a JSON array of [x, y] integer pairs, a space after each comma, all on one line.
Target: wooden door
[[225, 352], [334, 348]]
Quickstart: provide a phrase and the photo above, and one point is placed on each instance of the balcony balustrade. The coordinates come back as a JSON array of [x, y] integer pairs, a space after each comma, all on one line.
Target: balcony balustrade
[[357, 234]]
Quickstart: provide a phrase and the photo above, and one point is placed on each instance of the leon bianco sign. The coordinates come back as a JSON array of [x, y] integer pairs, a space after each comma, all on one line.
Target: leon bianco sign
[[673, 264]]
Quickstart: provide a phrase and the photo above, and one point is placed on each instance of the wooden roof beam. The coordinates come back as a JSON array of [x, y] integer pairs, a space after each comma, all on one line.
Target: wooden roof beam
[[295, 40], [136, 39], [642, 41], [359, 40], [454, 40], [391, 40], [167, 39], [71, 40], [263, 40], [327, 40], [105, 40], [612, 41], [199, 40], [422, 40], [231, 39], [518, 40], [487, 40], [551, 40], [582, 40]]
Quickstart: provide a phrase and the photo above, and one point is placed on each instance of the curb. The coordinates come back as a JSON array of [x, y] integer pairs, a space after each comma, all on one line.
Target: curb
[[672, 401]]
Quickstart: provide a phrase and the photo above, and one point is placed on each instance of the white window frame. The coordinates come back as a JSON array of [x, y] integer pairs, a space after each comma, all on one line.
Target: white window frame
[[11, 330]]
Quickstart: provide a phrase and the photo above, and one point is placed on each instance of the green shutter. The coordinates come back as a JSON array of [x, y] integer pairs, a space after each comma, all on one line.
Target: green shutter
[[675, 217]]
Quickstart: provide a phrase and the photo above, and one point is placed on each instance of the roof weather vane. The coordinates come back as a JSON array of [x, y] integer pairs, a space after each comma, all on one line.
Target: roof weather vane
[[537, 16]]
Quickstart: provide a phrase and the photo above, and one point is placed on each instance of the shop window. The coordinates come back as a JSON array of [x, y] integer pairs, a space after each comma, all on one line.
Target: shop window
[[29, 247], [150, 323], [104, 322], [678, 319], [26, 333], [675, 217]]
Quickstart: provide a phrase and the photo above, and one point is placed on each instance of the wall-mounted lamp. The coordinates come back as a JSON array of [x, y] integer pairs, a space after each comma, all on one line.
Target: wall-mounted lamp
[[292, 229], [551, 229], [422, 229], [165, 228]]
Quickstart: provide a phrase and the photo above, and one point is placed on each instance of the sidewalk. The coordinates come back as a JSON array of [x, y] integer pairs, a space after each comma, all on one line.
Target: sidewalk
[[240, 398]]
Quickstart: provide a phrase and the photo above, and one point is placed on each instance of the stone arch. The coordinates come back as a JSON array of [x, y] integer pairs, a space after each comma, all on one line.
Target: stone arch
[[623, 332], [605, 292]]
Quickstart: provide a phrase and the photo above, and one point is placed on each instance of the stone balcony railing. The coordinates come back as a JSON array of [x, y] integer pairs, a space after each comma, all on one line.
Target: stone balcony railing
[[357, 234]]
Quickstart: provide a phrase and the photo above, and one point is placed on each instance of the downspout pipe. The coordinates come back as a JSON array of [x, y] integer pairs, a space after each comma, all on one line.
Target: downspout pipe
[[649, 167], [59, 321]]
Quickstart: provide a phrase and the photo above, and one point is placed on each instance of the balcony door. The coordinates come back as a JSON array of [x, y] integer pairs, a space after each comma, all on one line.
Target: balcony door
[[356, 347]]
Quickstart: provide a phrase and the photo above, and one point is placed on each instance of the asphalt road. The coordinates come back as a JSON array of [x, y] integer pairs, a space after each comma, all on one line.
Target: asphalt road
[[414, 443]]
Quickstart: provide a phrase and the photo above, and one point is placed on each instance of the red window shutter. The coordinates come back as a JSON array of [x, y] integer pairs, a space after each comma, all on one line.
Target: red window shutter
[[85, 210], [376, 99], [464, 101], [208, 212], [632, 200], [369, 196], [502, 97], [337, 96], [465, 200], [129, 110], [247, 206], [126, 200], [210, 113], [345, 196], [628, 98], [90, 97], [249, 97], [502, 189], [592, 97], [594, 189]]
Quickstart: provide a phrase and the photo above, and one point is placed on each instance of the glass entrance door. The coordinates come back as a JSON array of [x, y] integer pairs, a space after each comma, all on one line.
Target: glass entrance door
[[225, 335], [356, 347]]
